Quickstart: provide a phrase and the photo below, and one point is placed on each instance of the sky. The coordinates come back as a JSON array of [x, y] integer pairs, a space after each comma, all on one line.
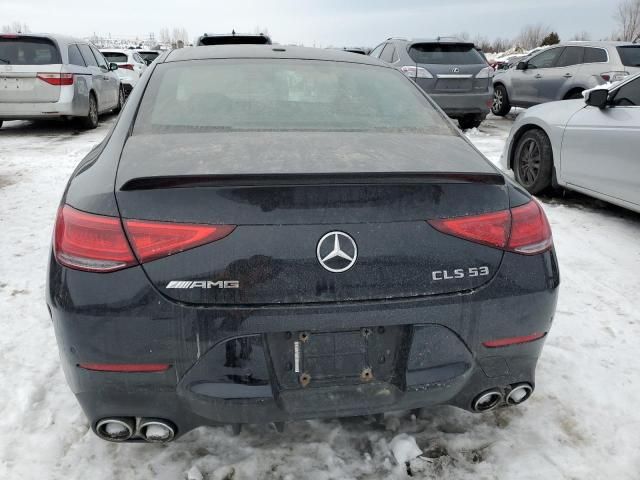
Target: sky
[[330, 22]]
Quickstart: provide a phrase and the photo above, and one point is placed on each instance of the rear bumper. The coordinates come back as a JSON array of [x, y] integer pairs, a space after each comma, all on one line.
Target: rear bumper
[[237, 365], [73, 101], [459, 104]]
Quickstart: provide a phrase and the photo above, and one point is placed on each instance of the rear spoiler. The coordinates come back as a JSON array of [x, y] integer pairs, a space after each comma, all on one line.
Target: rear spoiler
[[294, 179]]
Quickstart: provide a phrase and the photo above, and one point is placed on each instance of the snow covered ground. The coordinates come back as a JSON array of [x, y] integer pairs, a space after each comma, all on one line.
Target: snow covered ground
[[582, 422]]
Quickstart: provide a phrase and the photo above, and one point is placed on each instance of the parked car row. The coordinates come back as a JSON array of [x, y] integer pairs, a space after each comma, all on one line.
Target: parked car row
[[589, 145], [563, 72], [453, 72], [53, 76]]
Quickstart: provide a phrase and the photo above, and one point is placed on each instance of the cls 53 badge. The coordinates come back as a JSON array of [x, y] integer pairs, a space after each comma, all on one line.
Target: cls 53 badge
[[457, 273]]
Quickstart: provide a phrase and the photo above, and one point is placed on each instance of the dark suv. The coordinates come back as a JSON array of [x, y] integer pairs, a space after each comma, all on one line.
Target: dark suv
[[453, 72]]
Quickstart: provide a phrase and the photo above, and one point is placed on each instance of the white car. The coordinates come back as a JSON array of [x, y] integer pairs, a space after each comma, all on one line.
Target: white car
[[131, 66], [590, 145]]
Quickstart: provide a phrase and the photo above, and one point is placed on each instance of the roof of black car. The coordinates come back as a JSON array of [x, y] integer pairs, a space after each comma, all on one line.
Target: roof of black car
[[268, 51]]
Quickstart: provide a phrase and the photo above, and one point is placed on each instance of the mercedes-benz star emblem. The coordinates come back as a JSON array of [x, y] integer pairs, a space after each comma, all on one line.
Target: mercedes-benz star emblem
[[455, 70], [337, 252]]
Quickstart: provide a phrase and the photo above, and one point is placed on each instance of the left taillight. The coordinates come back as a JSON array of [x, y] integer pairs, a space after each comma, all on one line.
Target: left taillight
[[98, 243], [58, 79], [522, 229], [93, 243]]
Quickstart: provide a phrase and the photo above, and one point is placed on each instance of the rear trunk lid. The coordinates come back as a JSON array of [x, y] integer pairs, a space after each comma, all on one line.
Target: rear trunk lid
[[22, 58], [454, 67], [288, 191]]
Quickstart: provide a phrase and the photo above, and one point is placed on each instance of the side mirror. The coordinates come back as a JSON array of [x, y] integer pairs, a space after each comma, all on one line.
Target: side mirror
[[113, 66], [522, 66], [598, 98]]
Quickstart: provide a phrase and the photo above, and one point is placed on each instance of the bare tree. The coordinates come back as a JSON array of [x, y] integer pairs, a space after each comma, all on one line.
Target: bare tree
[[165, 36], [628, 18], [16, 27], [257, 30], [501, 45], [531, 36], [581, 36]]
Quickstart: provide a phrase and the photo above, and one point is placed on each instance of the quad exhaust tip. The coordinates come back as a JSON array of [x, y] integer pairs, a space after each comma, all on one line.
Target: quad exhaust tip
[[155, 430], [519, 393], [115, 429], [488, 400]]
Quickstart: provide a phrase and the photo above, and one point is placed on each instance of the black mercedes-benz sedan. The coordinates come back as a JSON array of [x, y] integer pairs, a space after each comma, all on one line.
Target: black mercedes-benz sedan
[[271, 234]]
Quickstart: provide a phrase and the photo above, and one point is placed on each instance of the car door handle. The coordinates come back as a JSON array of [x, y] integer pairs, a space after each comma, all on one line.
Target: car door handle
[[568, 75], [538, 75]]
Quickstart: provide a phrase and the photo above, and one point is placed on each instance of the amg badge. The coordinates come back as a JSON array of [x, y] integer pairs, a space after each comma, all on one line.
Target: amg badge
[[203, 284]]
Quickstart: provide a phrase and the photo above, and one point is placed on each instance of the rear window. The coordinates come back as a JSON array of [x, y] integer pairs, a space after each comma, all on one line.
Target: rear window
[[281, 95], [115, 57], [235, 40], [630, 56], [595, 55], [445, 54], [149, 56], [28, 51]]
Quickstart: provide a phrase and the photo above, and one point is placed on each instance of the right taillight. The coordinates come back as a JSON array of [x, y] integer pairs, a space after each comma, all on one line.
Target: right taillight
[[523, 229], [530, 230], [126, 66], [98, 243]]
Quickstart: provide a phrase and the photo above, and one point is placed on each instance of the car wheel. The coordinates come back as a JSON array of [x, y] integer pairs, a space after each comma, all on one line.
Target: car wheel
[[533, 161], [501, 104], [0, 123], [470, 121], [91, 120], [120, 100]]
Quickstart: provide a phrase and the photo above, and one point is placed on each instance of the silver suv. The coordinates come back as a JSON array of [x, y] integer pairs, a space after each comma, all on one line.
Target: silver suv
[[51, 76], [562, 72], [453, 72]]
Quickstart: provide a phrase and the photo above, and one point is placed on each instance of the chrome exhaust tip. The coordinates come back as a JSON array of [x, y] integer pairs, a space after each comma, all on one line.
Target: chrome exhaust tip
[[118, 429], [488, 400], [155, 430], [519, 393]]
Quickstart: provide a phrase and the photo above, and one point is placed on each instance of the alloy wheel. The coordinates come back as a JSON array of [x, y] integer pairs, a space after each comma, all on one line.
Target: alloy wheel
[[529, 162]]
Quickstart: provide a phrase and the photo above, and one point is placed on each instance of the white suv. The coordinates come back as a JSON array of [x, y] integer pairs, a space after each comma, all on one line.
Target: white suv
[[130, 66]]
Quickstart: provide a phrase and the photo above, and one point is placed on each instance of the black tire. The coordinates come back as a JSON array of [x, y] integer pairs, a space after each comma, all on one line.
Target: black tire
[[470, 121], [533, 161], [1, 123], [501, 105], [574, 94], [91, 120], [121, 100]]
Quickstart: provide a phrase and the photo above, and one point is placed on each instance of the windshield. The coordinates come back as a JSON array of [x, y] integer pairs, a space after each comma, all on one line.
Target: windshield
[[115, 57], [28, 51], [630, 56], [277, 95], [445, 54]]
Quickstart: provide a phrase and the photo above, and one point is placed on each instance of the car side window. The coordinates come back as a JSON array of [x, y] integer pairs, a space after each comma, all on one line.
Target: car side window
[[546, 59], [75, 58], [376, 51], [595, 55], [628, 95], [570, 56], [138, 58], [88, 57], [387, 53], [102, 63]]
